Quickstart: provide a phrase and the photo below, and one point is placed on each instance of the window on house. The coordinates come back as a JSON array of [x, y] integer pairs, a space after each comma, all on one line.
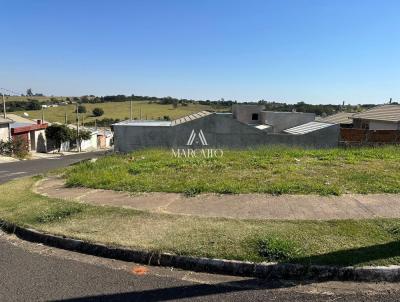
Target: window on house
[[254, 117]]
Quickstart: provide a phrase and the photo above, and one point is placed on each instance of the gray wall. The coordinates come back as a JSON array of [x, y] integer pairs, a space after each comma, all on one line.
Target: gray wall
[[220, 131], [243, 113], [284, 120]]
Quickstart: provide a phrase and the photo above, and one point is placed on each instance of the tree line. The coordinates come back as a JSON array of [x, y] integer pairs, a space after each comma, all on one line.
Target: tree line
[[318, 109]]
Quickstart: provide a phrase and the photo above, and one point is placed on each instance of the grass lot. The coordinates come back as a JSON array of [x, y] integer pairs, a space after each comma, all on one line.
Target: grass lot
[[320, 242], [264, 170], [120, 110]]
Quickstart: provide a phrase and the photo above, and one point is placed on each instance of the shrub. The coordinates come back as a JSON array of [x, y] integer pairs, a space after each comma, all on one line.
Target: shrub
[[98, 111], [17, 147], [20, 147], [81, 109], [6, 148]]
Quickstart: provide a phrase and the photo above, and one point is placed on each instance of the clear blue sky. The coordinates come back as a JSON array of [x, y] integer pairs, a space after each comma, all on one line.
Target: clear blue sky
[[321, 51]]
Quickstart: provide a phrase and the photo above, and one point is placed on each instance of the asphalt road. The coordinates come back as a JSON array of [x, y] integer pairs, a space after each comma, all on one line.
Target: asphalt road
[[32, 272], [9, 171]]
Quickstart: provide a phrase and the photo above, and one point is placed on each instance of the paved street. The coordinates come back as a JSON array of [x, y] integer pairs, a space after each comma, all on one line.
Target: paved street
[[32, 272], [17, 169]]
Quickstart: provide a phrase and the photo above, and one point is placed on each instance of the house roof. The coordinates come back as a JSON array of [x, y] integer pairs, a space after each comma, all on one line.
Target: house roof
[[307, 128], [5, 120], [190, 117], [19, 125], [149, 123], [338, 118], [179, 121], [20, 119], [388, 113]]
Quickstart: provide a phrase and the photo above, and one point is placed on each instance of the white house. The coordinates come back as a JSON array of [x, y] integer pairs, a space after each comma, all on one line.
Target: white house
[[5, 132]]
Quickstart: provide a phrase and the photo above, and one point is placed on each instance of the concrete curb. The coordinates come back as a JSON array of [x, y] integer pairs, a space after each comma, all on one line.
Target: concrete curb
[[220, 266]]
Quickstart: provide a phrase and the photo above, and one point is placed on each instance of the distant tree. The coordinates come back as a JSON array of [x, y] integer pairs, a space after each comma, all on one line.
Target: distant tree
[[81, 109], [29, 92], [33, 105], [98, 111]]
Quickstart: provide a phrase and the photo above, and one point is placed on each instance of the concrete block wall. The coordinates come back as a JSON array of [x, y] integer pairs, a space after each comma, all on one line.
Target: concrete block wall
[[285, 120], [243, 113], [220, 131]]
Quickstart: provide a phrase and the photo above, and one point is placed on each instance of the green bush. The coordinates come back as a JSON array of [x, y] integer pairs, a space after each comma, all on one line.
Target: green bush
[[20, 148], [81, 109], [6, 148], [17, 147], [98, 111]]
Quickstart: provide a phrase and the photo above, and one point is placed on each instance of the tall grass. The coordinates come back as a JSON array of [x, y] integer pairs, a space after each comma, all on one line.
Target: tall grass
[[275, 170]]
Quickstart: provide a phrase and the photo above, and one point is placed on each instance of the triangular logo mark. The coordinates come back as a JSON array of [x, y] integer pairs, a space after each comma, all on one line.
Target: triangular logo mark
[[193, 135]]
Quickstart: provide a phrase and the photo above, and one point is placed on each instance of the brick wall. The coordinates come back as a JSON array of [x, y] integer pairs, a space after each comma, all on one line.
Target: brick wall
[[369, 137]]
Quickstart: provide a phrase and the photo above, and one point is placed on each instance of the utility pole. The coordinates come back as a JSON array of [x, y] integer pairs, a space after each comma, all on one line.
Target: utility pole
[[4, 106], [140, 112], [77, 128], [66, 118], [42, 115], [5, 116], [131, 117]]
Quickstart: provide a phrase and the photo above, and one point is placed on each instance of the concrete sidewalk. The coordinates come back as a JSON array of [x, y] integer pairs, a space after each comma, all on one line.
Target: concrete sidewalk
[[242, 206]]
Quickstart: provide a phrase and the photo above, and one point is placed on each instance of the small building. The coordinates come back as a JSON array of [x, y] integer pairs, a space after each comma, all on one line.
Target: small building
[[31, 132], [5, 130], [226, 130], [86, 145], [384, 117], [104, 138], [276, 121]]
